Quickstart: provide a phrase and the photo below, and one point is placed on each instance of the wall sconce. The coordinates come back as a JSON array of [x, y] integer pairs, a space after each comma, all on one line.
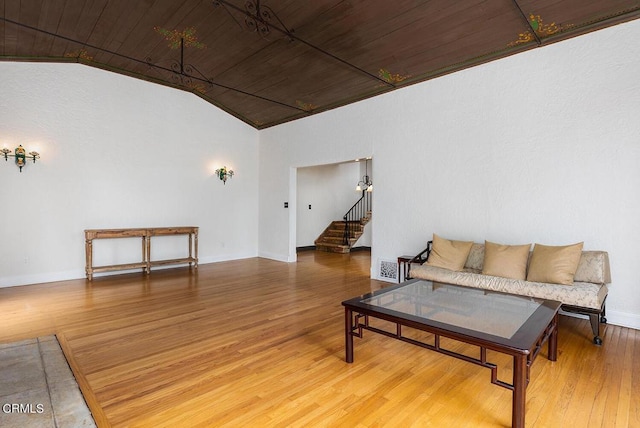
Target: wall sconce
[[365, 184], [224, 174], [20, 155]]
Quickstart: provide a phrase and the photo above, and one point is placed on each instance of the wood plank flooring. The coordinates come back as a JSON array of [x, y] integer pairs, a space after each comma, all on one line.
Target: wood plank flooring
[[260, 343]]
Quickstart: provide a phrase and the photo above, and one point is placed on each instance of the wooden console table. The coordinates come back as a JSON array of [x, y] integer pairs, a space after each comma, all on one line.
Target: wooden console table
[[145, 235]]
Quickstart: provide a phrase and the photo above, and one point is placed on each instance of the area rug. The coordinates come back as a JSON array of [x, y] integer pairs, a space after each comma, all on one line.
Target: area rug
[[38, 388]]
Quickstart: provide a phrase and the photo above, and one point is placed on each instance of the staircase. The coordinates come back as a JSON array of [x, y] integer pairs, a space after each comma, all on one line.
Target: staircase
[[340, 236]]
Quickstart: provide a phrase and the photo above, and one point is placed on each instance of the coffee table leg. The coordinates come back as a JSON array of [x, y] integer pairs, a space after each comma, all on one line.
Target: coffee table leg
[[348, 337], [519, 390], [553, 340]]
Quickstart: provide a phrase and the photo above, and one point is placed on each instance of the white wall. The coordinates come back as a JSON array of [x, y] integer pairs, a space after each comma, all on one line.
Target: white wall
[[543, 146], [116, 152], [278, 176], [330, 190]]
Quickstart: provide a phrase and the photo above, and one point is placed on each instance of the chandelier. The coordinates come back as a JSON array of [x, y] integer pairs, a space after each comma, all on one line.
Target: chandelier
[[258, 18], [365, 185]]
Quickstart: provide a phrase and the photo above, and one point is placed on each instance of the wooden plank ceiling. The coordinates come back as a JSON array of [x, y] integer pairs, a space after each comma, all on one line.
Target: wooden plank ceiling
[[272, 61]]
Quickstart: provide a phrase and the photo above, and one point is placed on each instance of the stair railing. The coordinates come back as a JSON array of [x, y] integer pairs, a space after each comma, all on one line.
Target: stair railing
[[353, 217]]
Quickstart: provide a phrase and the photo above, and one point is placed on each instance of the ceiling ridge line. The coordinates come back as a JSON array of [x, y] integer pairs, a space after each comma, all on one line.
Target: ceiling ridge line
[[148, 63], [291, 35], [524, 16]]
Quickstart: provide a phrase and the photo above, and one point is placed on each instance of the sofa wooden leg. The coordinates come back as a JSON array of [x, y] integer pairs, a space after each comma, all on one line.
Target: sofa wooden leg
[[595, 327]]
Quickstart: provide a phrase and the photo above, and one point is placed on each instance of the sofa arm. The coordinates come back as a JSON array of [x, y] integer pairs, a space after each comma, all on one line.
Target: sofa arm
[[422, 257], [593, 267]]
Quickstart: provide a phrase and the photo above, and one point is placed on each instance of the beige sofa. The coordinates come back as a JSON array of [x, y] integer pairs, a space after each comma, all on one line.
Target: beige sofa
[[586, 296]]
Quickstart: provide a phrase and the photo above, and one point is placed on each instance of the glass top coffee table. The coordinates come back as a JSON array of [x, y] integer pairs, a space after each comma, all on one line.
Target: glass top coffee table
[[514, 325]]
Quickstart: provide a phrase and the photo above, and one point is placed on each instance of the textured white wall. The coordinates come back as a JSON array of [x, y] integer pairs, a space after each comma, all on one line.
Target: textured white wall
[[543, 146], [116, 152]]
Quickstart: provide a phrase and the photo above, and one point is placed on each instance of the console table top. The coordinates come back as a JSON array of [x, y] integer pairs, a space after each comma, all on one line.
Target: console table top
[[138, 231]]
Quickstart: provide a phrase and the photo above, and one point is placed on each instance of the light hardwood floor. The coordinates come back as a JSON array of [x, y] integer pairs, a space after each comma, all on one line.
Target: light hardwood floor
[[260, 343]]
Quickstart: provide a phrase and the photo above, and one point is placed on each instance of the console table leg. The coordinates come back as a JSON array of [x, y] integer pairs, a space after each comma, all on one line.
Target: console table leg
[[88, 244], [348, 337], [146, 253], [519, 390], [195, 242]]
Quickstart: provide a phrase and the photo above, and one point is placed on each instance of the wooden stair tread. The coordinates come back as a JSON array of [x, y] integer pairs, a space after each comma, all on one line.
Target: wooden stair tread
[[332, 239]]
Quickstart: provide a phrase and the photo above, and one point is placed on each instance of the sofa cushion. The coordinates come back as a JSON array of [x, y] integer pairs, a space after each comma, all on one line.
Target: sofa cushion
[[448, 254], [554, 264], [581, 294], [507, 261]]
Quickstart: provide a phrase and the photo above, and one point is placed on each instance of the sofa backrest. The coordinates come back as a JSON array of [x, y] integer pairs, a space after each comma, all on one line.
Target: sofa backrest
[[593, 265]]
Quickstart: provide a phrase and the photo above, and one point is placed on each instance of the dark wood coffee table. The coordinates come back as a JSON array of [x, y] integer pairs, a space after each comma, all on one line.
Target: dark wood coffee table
[[514, 325]]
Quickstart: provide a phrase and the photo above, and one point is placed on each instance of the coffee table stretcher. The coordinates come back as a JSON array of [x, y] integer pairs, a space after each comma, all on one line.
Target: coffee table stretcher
[[522, 360]]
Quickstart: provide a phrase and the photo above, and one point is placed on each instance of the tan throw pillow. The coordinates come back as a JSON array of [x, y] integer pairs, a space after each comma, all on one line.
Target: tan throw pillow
[[449, 254], [506, 261], [555, 265]]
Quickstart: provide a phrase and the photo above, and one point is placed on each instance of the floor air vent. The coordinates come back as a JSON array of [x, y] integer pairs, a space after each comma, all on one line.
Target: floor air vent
[[388, 270]]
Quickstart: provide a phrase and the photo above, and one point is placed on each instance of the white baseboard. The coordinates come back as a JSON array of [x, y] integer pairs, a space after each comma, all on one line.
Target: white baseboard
[[391, 280], [623, 319], [277, 257], [40, 278], [226, 258], [618, 318]]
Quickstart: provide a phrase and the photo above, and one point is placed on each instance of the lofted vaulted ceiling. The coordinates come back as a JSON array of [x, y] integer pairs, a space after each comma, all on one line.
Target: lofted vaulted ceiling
[[272, 61]]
